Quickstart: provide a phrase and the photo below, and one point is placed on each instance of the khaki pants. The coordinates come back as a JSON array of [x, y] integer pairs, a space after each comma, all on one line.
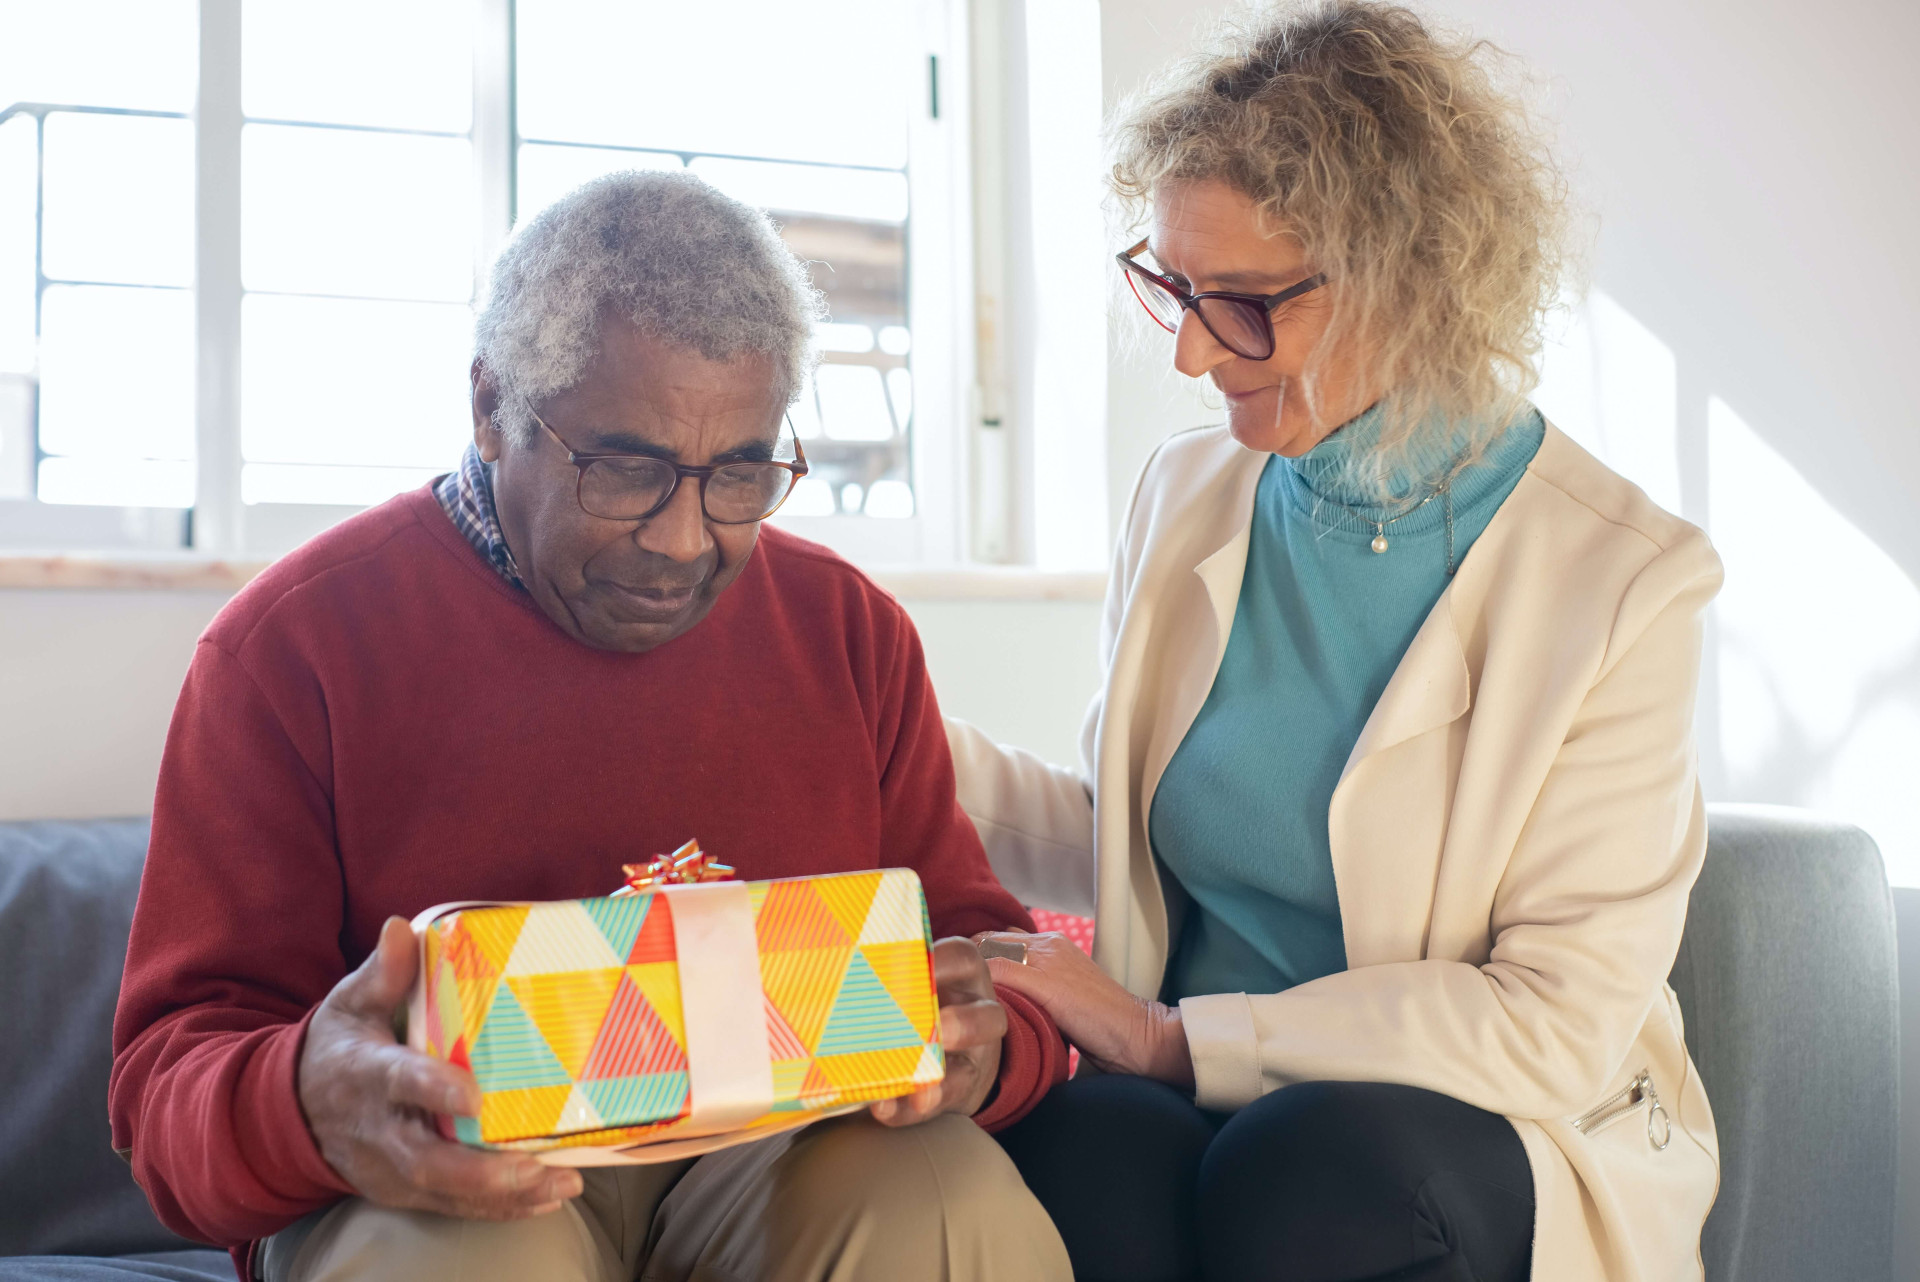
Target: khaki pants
[[845, 1200]]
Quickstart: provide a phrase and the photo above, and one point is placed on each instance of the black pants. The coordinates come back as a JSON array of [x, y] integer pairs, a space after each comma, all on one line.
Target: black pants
[[1319, 1182]]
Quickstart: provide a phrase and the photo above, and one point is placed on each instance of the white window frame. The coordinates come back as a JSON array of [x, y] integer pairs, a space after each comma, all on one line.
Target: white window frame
[[940, 294], [940, 291]]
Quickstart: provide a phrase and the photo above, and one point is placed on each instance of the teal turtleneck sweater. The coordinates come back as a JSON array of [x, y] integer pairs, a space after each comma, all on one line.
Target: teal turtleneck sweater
[[1240, 816]]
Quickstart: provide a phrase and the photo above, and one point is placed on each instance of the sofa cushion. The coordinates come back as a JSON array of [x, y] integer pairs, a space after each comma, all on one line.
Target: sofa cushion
[[166, 1266], [66, 902], [1787, 981]]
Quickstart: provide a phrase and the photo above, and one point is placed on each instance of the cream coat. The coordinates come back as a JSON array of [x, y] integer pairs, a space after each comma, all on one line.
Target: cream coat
[[1514, 836]]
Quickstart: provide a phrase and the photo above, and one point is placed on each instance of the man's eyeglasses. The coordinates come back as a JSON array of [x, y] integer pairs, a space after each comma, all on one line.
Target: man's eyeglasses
[[632, 487], [1241, 322]]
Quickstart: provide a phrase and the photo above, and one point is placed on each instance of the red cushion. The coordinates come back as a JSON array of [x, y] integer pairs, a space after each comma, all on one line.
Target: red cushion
[[1080, 931]]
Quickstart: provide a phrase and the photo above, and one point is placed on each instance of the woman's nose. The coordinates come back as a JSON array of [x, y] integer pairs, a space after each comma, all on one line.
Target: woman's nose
[[1195, 350]]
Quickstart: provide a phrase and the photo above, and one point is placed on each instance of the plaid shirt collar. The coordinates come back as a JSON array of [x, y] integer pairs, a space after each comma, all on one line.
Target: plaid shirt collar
[[466, 496]]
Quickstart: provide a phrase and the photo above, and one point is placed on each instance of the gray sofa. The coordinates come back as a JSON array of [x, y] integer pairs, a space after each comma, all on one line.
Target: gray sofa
[[1787, 977]]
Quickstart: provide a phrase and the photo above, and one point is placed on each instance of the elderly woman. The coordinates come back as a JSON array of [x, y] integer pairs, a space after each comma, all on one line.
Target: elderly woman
[[1390, 812]]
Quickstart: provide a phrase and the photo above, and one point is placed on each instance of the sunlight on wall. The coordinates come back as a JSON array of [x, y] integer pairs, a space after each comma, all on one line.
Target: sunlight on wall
[[1816, 649], [1819, 650], [1608, 382]]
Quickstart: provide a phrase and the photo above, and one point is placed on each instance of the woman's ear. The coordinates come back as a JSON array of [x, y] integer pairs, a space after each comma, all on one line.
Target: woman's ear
[[486, 400]]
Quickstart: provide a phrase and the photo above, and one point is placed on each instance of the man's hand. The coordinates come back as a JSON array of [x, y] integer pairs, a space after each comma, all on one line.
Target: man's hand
[[370, 1103], [972, 1023]]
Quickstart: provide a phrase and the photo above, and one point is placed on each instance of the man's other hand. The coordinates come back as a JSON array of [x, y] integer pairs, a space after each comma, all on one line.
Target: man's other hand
[[370, 1103], [972, 1024]]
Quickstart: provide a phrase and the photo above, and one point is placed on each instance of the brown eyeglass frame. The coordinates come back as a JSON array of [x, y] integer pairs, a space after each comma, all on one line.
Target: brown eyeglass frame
[[1264, 303], [682, 471]]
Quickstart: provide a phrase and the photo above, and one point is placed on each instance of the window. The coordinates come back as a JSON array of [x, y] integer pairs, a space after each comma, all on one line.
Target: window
[[357, 247], [236, 298], [96, 269]]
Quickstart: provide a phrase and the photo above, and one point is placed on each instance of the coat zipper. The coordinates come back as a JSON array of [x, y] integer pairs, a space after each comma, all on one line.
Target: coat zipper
[[1637, 1092]]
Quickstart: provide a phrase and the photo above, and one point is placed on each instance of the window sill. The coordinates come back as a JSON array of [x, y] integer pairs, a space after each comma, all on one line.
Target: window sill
[[206, 574], [139, 573]]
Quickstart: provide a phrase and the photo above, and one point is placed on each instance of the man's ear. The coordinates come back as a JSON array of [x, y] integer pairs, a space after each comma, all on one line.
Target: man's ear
[[486, 400]]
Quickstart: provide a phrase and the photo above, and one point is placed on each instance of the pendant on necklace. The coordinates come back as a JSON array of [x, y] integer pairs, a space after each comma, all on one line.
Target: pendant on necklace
[[1380, 542]]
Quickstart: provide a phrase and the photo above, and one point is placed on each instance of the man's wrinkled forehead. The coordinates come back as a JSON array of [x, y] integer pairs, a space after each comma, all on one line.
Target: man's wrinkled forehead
[[646, 396]]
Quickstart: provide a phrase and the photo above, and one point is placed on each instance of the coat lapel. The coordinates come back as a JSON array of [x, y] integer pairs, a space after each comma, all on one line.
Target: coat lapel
[[1387, 820], [1429, 688], [1204, 640], [1222, 574]]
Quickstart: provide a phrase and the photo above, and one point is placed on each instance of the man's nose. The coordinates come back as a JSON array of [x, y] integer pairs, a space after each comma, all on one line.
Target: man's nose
[[1195, 349], [678, 530]]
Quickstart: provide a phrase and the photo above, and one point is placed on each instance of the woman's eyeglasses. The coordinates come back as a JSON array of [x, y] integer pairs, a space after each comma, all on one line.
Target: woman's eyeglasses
[[1241, 322], [632, 487]]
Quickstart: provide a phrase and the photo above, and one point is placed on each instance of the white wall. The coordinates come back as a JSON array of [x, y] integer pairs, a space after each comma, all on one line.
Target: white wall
[[87, 684], [1023, 671]]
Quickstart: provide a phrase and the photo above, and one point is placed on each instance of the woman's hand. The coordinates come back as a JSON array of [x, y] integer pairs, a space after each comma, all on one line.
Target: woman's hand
[[1113, 1029]]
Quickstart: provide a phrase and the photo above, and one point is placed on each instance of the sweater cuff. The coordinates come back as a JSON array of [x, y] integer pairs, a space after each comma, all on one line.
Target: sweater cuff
[[280, 1145], [1033, 1060], [1225, 1050]]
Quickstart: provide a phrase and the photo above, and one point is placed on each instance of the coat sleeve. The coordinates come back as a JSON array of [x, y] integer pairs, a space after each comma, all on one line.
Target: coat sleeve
[[1585, 923], [1035, 819]]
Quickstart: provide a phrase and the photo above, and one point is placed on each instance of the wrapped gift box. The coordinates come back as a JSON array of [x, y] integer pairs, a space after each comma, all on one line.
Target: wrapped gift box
[[599, 1032]]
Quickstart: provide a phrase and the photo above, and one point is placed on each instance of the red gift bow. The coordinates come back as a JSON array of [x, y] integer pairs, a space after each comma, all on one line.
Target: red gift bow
[[688, 865]]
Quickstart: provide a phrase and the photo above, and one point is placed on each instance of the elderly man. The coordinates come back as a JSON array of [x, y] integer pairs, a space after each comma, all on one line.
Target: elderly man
[[579, 649]]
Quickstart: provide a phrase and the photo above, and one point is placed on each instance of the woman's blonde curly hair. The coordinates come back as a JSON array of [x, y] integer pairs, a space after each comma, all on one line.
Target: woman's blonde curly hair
[[1413, 179]]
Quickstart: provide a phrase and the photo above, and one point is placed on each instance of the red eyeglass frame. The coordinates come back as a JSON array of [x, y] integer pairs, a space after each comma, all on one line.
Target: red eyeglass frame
[[1260, 303]]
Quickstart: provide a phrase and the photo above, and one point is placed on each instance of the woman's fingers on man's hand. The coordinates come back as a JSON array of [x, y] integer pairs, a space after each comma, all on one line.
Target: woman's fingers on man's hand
[[1066, 984], [1050, 960]]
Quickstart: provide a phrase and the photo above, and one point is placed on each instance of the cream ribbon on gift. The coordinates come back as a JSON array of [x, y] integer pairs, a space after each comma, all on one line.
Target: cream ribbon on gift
[[722, 1006]]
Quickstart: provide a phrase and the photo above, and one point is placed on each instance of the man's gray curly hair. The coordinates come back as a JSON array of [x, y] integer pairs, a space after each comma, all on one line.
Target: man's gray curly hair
[[662, 248]]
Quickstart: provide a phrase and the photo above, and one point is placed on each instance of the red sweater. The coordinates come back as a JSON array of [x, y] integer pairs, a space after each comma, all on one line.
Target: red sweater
[[380, 723]]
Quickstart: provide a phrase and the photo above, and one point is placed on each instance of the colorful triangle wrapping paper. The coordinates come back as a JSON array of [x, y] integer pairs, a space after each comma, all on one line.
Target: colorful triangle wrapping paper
[[569, 1013]]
